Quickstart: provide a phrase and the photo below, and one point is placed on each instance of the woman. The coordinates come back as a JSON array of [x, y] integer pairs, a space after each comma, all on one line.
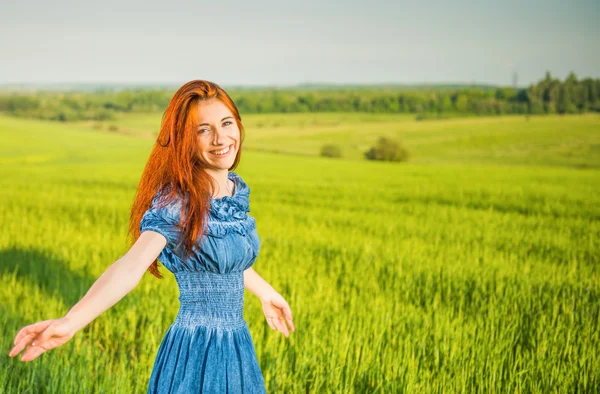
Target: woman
[[191, 213]]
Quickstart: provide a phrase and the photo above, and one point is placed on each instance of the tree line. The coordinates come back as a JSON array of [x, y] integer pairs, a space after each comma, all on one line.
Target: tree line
[[548, 96]]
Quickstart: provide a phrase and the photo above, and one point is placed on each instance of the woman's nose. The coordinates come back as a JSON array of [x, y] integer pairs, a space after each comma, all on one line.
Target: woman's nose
[[219, 134]]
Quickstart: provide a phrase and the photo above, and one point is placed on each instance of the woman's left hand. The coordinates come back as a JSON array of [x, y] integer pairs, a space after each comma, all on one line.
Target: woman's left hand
[[276, 309]]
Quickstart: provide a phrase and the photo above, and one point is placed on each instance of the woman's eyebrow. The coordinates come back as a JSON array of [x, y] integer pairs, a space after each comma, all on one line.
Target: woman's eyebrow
[[206, 124]]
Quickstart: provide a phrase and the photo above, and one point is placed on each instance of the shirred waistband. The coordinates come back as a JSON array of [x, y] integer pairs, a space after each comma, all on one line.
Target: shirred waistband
[[210, 299]]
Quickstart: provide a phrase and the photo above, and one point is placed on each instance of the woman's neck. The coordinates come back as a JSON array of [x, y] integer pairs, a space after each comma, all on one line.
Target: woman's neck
[[225, 187]]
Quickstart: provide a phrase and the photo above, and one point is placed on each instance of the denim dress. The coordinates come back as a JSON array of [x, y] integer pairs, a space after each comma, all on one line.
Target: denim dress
[[208, 348]]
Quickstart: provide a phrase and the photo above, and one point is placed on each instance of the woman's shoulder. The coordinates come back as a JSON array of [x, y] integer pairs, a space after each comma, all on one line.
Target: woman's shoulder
[[166, 203], [229, 207]]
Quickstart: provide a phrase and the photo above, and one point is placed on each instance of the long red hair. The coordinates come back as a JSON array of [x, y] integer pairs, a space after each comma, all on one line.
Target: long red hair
[[174, 162]]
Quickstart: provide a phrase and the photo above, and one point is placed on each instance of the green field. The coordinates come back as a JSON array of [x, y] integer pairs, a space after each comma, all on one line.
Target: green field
[[536, 140], [471, 268]]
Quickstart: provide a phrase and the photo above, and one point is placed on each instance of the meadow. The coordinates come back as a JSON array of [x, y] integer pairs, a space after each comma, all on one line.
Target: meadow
[[473, 267], [554, 140]]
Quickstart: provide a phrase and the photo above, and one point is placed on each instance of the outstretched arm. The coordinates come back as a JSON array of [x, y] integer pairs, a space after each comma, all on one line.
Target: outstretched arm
[[119, 279], [274, 305]]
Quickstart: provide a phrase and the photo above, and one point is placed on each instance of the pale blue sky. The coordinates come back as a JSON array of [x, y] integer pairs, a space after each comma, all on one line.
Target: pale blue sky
[[282, 43]]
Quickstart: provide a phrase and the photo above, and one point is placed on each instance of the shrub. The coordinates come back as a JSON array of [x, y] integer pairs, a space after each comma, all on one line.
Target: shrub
[[331, 150], [388, 150]]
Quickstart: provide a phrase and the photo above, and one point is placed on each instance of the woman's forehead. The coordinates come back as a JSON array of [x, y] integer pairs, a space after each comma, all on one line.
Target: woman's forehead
[[212, 110]]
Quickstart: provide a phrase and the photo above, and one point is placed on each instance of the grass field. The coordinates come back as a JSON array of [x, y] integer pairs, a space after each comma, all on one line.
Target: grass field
[[537, 140], [471, 268]]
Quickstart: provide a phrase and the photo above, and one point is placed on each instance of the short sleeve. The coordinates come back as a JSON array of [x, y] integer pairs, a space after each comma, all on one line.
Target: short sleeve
[[163, 220]]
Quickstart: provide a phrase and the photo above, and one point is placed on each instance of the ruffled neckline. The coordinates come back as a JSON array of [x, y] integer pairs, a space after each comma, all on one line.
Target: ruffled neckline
[[235, 206]]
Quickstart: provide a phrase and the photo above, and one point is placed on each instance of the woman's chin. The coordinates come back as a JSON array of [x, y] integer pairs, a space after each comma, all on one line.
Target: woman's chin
[[221, 164]]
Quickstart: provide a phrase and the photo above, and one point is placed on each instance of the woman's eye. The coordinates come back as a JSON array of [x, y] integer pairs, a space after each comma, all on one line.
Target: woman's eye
[[201, 131], [228, 123]]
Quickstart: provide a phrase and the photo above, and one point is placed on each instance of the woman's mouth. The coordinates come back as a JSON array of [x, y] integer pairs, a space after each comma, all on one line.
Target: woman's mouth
[[222, 152]]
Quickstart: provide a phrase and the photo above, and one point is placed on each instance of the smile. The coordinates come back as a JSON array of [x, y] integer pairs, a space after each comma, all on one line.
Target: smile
[[222, 152]]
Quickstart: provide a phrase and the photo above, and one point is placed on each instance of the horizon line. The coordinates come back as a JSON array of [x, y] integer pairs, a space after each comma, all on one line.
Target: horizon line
[[259, 85]]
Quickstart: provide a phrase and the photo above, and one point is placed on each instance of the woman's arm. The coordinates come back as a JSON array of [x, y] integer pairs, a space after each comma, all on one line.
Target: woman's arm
[[257, 285], [275, 307], [117, 280]]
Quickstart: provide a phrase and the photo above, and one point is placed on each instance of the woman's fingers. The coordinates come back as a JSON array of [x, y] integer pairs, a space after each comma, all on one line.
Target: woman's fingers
[[287, 312], [277, 325], [283, 314], [45, 339], [41, 337], [32, 329], [27, 334], [32, 353], [269, 320], [281, 326]]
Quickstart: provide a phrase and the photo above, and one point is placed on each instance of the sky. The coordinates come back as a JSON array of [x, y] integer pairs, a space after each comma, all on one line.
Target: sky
[[285, 43]]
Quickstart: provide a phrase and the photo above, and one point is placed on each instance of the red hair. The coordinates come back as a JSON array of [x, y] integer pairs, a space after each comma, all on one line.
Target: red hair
[[174, 163]]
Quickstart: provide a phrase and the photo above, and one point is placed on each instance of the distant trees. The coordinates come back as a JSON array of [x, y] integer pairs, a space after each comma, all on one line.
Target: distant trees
[[548, 96], [73, 106]]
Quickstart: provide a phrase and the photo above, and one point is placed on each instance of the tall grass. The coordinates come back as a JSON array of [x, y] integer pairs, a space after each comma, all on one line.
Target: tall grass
[[403, 278]]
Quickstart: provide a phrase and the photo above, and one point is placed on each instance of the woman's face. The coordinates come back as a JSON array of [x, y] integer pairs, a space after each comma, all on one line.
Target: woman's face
[[218, 135]]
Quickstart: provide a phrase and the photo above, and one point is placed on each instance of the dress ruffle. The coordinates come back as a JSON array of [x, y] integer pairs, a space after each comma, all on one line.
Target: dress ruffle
[[229, 214], [236, 206]]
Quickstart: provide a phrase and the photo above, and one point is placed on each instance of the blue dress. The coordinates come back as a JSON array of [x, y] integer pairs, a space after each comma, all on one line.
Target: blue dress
[[208, 348]]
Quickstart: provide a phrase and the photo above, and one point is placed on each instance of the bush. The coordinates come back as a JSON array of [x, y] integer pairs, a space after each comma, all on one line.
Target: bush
[[388, 150], [331, 150]]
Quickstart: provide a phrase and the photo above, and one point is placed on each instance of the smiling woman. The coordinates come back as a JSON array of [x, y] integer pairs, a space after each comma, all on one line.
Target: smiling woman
[[218, 141], [190, 213]]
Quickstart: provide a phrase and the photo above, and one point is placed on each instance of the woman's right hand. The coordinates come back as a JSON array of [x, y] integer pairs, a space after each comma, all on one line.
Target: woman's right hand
[[42, 336]]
